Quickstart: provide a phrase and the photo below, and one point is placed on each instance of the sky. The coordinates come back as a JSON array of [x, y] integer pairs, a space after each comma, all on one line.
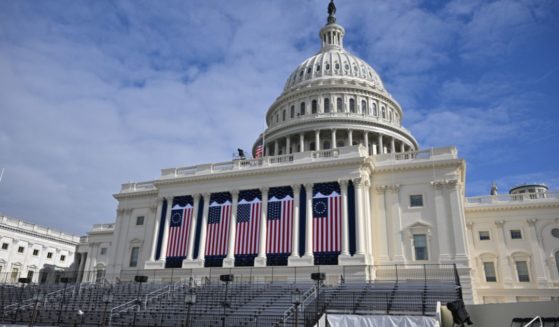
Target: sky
[[94, 94]]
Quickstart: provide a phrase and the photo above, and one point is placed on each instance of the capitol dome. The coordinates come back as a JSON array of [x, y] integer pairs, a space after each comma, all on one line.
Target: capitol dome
[[331, 100]]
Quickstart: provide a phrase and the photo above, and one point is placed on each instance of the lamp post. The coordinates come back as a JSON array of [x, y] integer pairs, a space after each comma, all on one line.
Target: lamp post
[[107, 299], [189, 300], [37, 298], [296, 300], [64, 280], [23, 281], [226, 304], [139, 280], [318, 278]]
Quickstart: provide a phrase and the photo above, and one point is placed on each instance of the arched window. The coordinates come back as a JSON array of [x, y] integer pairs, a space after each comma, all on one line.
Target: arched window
[[283, 115], [292, 113], [339, 105], [383, 113], [351, 105], [326, 105], [326, 145], [364, 109], [375, 113], [314, 107], [302, 108], [277, 118], [327, 66]]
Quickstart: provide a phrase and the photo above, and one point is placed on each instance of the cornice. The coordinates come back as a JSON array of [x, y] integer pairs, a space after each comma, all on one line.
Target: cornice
[[136, 194], [511, 206], [410, 165], [260, 171]]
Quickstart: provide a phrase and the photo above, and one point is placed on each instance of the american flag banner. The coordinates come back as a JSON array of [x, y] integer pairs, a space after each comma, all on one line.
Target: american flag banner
[[179, 230], [249, 212], [280, 221], [259, 152], [327, 218], [219, 216]]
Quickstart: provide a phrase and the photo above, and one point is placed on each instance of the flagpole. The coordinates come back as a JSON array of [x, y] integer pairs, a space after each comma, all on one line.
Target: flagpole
[[1, 175]]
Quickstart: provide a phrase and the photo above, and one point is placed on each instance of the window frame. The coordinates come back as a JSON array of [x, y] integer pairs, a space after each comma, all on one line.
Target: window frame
[[522, 278], [515, 234], [21, 249], [62, 257], [487, 277], [49, 255], [7, 246], [415, 247], [35, 252], [411, 203], [134, 256], [140, 220], [484, 239]]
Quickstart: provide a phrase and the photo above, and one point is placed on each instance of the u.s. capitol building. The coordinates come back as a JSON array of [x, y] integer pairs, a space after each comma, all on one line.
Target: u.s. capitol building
[[340, 184]]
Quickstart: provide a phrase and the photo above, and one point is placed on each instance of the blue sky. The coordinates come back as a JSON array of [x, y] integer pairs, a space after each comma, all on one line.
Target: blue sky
[[97, 93]]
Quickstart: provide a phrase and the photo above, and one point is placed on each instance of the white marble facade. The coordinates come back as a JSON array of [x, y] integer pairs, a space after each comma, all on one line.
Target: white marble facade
[[335, 122]]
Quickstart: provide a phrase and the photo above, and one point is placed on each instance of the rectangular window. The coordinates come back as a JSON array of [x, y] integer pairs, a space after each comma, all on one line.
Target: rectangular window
[[489, 269], [515, 234], [522, 270], [416, 200], [20, 249], [49, 255], [62, 257], [35, 252], [30, 274], [420, 246], [484, 236], [139, 220], [134, 256], [103, 251], [4, 246]]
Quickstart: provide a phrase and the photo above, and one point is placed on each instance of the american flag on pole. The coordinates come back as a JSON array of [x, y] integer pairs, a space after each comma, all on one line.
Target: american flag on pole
[[259, 152], [219, 216], [327, 218], [249, 212], [280, 221], [179, 230]]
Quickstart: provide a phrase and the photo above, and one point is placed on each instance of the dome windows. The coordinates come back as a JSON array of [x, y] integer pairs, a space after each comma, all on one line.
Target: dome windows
[[351, 105], [346, 66], [339, 105], [337, 66], [309, 70], [317, 68], [292, 112], [314, 107], [327, 66], [364, 109], [326, 105], [283, 115], [375, 112], [302, 108], [383, 111]]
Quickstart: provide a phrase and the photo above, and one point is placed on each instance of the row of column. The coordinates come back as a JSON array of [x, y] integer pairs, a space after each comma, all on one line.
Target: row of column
[[383, 144], [361, 219]]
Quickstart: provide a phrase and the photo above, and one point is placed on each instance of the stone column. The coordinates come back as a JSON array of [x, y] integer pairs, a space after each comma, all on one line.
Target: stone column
[[504, 262], [367, 221], [295, 233], [350, 137], [156, 228], [539, 264], [444, 247], [276, 147], [366, 140], [260, 260], [457, 222], [334, 139], [229, 261], [392, 145], [402, 147], [288, 145], [192, 233], [380, 145], [359, 225], [302, 142], [203, 229], [396, 215], [383, 225], [309, 223], [345, 223], [317, 140], [163, 255]]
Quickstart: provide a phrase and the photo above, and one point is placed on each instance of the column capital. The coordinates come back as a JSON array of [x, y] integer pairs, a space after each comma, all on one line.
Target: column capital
[[500, 223], [309, 186], [119, 211], [470, 225], [153, 210], [296, 188], [160, 198], [169, 198], [234, 192], [343, 182], [437, 184], [196, 197], [532, 221], [264, 189], [206, 195], [381, 188]]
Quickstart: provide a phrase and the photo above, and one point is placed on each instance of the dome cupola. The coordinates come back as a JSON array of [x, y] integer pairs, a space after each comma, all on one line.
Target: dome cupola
[[334, 99]]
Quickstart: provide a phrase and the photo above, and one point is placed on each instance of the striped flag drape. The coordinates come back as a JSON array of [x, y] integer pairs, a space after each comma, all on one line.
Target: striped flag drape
[[248, 226], [279, 225], [327, 222], [219, 216], [179, 230]]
